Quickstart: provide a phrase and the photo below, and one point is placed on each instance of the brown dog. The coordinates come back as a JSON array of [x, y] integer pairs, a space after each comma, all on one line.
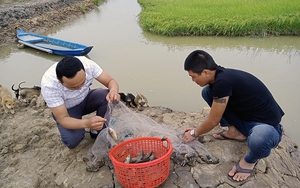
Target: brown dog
[[6, 100]]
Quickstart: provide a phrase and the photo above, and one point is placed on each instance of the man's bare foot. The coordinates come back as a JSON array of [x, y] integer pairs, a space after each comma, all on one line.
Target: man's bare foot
[[232, 133], [241, 171]]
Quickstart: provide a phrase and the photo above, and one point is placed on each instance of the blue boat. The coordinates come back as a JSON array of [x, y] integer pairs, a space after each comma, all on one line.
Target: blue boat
[[52, 45]]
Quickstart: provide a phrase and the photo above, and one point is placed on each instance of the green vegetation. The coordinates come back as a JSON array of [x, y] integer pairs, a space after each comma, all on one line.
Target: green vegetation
[[220, 17], [96, 2], [83, 8]]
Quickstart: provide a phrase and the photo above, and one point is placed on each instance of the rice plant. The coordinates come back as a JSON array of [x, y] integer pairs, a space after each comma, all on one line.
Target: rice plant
[[221, 17]]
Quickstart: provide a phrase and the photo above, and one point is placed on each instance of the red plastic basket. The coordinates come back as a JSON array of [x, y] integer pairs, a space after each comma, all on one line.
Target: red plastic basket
[[147, 174]]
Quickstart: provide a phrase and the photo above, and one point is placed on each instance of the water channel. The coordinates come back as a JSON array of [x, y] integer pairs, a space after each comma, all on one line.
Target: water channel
[[153, 65]]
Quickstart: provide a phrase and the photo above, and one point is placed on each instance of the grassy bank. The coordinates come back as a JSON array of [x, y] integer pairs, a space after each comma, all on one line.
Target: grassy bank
[[221, 17]]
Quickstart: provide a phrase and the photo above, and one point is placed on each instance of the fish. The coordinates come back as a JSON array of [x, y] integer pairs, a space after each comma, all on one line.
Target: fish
[[152, 157], [140, 157], [178, 158], [93, 164], [212, 160], [133, 159], [113, 134], [191, 158], [128, 159], [146, 157]]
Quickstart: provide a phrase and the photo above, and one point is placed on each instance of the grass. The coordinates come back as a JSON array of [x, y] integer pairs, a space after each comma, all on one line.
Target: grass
[[96, 2], [220, 17], [83, 8]]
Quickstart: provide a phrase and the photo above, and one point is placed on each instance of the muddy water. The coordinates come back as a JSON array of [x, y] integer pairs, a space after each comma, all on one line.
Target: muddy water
[[153, 64]]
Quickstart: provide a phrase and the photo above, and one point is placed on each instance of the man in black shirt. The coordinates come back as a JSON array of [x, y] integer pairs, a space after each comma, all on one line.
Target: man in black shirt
[[239, 101]]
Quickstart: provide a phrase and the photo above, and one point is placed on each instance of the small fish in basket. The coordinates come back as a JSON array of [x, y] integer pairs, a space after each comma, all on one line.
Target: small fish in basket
[[141, 158]]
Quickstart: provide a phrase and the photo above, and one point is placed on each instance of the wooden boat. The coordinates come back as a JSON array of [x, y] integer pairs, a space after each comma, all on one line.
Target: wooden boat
[[52, 45]]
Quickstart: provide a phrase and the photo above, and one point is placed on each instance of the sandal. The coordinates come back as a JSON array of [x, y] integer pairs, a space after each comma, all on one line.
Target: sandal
[[239, 169], [226, 138]]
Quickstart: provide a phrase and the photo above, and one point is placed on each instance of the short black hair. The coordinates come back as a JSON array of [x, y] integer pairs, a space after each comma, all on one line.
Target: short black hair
[[68, 67], [199, 60]]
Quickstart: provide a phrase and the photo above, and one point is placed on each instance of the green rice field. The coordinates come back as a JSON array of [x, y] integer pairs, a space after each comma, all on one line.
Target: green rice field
[[220, 17]]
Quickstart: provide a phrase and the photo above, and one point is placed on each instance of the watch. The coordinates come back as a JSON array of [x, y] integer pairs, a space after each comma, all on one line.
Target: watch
[[192, 133]]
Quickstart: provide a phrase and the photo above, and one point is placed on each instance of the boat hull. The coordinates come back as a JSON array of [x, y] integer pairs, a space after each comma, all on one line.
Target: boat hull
[[52, 45]]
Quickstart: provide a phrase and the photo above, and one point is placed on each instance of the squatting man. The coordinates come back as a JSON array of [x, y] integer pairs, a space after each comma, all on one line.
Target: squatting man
[[240, 102], [65, 86]]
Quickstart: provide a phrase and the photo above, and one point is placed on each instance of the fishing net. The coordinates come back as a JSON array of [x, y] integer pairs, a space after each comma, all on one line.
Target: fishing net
[[129, 124]]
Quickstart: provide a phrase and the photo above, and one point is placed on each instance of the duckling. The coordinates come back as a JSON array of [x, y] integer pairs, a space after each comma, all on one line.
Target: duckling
[[140, 100]]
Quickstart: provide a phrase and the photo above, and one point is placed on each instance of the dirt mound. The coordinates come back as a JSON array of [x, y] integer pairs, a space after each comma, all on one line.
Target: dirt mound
[[38, 16]]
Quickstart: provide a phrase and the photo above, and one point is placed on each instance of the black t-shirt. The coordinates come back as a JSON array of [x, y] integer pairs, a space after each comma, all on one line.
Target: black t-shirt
[[249, 98]]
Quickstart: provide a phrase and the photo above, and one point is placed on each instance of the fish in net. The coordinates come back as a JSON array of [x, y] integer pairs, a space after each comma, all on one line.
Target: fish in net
[[128, 124]]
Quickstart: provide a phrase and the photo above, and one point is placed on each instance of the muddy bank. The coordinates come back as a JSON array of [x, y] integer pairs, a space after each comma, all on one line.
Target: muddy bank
[[38, 16], [32, 155]]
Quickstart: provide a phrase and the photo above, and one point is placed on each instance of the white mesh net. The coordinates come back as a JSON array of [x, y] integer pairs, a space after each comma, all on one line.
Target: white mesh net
[[128, 124]]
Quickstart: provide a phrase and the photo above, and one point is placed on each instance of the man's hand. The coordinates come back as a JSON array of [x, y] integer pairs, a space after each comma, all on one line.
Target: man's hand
[[187, 137], [96, 123], [112, 96], [111, 84]]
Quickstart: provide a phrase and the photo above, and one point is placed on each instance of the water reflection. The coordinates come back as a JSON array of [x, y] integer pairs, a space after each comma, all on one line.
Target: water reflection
[[280, 45]]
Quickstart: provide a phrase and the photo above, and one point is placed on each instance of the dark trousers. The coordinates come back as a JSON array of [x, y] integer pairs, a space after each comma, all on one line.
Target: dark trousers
[[94, 101]]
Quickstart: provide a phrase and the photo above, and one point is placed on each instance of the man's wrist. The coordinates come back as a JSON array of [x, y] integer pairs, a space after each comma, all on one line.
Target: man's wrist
[[113, 90], [193, 133]]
